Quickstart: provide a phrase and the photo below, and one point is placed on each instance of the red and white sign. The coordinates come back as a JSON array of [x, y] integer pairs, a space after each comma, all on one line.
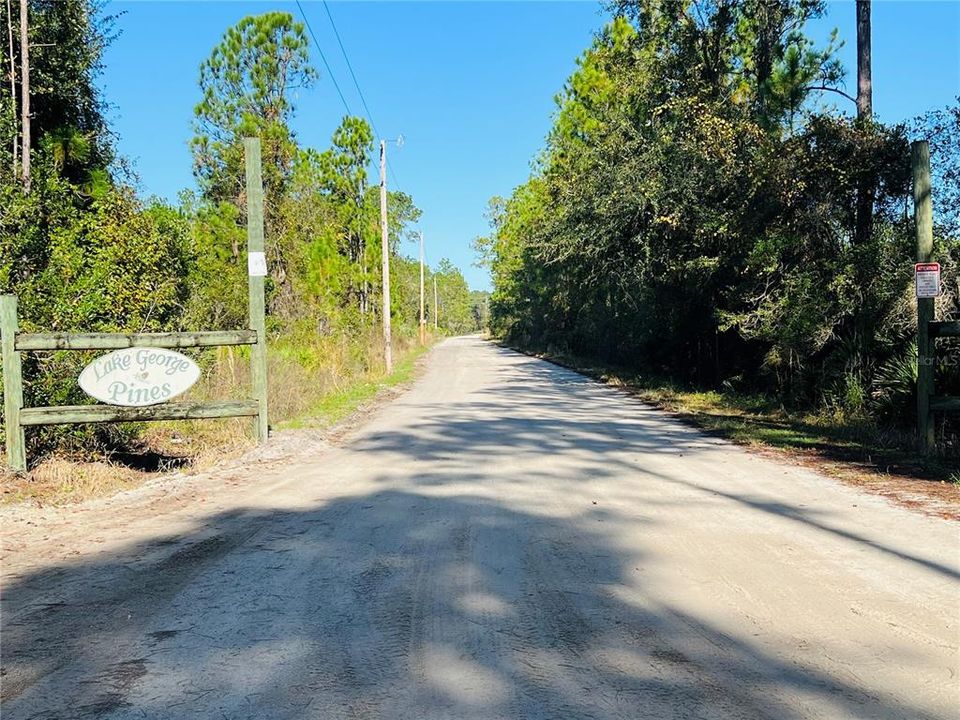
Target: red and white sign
[[927, 279]]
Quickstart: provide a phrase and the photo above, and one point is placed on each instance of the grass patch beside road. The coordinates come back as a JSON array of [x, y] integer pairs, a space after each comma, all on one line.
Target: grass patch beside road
[[337, 405]]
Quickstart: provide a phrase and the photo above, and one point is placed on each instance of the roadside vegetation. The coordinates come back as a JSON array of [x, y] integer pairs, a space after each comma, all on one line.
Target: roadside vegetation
[[703, 215], [878, 457], [84, 252]]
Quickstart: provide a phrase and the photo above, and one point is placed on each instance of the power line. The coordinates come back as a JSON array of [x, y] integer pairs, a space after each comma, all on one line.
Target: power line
[[356, 84], [350, 68], [394, 176], [324, 58]]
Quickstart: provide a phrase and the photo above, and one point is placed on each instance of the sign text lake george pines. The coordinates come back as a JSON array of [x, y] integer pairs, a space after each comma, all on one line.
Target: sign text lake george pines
[[138, 376]]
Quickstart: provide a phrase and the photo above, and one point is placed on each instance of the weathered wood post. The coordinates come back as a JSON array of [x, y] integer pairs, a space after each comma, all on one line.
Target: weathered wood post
[[12, 384], [256, 271], [923, 218]]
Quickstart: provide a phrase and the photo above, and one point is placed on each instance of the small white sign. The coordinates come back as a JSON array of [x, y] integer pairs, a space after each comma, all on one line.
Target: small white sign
[[135, 377], [927, 277], [256, 264]]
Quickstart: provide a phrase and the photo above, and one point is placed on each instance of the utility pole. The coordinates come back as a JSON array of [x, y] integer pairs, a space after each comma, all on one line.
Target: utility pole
[[13, 92], [385, 241], [25, 94], [436, 307], [423, 318]]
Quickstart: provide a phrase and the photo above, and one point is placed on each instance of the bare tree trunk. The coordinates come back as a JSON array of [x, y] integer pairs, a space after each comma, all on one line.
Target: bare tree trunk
[[363, 282], [13, 91], [25, 92], [867, 189], [864, 72]]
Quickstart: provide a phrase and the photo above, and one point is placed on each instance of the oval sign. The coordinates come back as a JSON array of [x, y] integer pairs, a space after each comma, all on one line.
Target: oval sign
[[138, 376]]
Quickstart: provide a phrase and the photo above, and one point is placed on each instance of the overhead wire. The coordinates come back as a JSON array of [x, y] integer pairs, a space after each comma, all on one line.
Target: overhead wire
[[356, 84], [324, 58], [350, 68], [363, 100]]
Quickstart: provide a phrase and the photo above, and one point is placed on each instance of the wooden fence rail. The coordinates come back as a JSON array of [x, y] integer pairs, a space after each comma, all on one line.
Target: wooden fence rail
[[69, 414], [13, 343], [117, 341], [944, 329]]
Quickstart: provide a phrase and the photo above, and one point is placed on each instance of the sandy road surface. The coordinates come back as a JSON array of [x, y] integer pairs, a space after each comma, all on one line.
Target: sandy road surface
[[505, 540]]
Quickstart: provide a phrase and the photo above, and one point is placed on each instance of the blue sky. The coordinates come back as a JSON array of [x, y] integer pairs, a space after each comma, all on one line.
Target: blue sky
[[469, 85]]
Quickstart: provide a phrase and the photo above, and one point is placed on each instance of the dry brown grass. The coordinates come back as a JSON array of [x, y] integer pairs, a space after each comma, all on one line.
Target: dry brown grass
[[59, 481], [304, 375]]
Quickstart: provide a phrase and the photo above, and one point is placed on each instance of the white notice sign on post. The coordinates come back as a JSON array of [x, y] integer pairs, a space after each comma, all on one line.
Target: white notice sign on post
[[927, 277], [256, 264]]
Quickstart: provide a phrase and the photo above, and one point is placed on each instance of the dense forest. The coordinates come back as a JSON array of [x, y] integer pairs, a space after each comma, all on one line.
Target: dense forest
[[83, 251], [703, 212]]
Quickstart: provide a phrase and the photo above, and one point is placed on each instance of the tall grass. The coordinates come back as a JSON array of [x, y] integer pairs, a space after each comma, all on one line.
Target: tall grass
[[313, 381], [304, 374]]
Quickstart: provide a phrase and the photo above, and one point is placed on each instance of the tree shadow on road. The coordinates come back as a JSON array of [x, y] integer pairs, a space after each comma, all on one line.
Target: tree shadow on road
[[523, 416], [394, 604]]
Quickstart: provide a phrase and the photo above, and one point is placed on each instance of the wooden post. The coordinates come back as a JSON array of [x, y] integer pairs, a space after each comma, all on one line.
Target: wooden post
[[256, 270], [385, 242], [923, 218], [436, 307], [12, 384]]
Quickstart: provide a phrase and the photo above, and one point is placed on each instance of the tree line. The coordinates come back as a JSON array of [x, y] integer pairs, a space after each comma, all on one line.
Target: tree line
[[698, 213], [83, 251]]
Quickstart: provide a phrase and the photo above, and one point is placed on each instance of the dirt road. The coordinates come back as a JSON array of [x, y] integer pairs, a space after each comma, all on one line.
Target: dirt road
[[505, 540]]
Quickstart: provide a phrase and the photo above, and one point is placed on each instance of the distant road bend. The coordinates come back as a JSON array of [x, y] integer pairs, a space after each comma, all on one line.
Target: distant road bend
[[506, 540]]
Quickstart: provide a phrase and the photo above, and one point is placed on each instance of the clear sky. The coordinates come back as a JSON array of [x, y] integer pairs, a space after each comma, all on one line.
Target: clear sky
[[470, 86]]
